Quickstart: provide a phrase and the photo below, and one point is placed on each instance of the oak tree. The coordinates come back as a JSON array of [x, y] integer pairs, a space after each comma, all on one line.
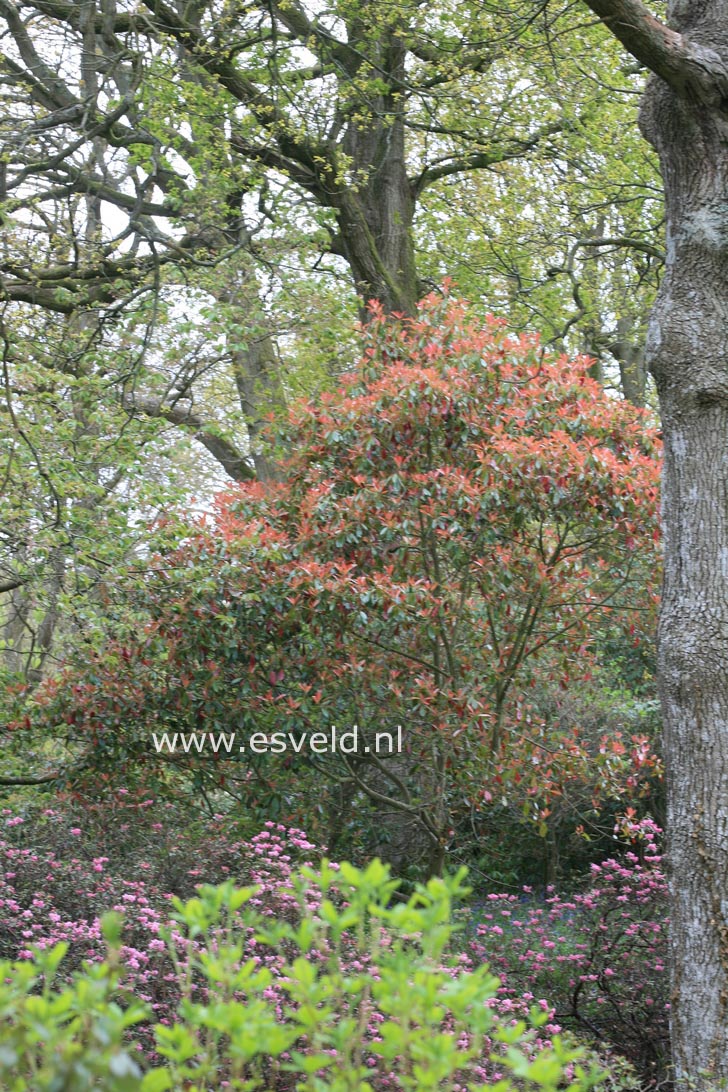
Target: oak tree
[[685, 117]]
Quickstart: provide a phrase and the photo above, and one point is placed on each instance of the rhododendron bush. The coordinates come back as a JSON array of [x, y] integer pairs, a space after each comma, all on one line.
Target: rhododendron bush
[[458, 520], [599, 955], [308, 978], [322, 968]]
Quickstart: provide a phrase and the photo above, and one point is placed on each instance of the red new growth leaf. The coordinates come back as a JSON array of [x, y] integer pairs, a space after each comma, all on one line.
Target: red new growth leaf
[[460, 515]]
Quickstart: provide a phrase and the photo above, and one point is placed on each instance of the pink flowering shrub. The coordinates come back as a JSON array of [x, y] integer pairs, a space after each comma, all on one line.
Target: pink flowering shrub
[[599, 956], [130, 834], [560, 955], [56, 877], [353, 991], [50, 895]]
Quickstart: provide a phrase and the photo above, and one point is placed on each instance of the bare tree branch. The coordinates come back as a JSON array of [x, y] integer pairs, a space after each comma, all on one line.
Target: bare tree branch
[[624, 241], [207, 433], [474, 161], [13, 582], [30, 780]]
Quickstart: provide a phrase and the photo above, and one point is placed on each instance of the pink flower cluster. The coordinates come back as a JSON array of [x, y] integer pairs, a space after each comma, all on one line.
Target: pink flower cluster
[[599, 956], [596, 957]]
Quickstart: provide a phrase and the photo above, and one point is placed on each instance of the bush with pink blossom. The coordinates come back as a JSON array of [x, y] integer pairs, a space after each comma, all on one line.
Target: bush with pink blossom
[[592, 963], [599, 956], [338, 986]]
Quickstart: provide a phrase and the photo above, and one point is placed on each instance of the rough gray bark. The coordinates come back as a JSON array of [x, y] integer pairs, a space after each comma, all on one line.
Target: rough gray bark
[[688, 351], [255, 371], [375, 219], [629, 353], [685, 117]]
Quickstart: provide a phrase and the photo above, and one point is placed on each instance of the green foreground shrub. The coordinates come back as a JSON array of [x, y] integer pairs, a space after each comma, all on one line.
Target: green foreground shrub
[[367, 999]]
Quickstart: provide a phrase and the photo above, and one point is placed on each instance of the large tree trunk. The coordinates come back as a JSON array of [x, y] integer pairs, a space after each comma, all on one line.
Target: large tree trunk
[[685, 117], [255, 369], [689, 360], [375, 215], [630, 356], [688, 356]]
